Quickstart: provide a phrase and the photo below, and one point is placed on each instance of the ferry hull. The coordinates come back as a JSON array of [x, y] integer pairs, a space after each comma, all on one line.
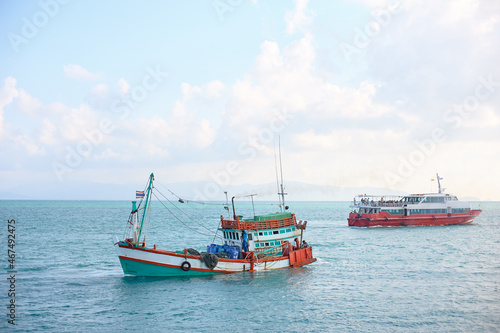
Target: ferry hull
[[383, 220], [141, 261]]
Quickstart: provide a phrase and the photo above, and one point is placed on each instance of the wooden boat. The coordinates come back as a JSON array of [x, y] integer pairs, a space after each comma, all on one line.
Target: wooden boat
[[265, 242]]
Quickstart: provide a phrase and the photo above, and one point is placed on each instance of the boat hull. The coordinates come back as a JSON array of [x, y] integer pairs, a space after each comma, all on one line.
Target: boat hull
[[386, 220], [141, 261]]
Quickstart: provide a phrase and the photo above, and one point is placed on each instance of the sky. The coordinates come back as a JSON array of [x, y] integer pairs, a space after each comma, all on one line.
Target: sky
[[361, 93]]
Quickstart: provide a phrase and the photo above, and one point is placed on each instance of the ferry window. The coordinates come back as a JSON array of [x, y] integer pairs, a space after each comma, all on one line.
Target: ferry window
[[282, 231], [260, 233], [249, 237], [255, 234], [237, 235], [267, 244], [288, 230], [275, 232], [257, 245], [265, 233]]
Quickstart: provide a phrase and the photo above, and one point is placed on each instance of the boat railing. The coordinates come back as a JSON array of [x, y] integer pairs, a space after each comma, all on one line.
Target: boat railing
[[257, 225], [388, 203]]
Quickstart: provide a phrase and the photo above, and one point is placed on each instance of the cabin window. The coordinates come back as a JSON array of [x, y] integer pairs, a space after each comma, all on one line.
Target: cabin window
[[275, 232], [435, 199], [237, 235], [288, 230], [393, 211], [255, 234], [249, 237], [282, 231], [257, 245], [265, 233], [267, 244], [260, 233]]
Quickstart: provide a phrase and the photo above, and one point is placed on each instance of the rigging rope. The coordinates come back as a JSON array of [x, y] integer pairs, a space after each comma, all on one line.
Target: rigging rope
[[178, 218], [209, 203], [183, 211], [186, 200]]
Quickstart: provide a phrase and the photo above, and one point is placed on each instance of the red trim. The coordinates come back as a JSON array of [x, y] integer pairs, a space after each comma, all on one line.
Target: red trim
[[173, 254], [387, 220], [175, 266]]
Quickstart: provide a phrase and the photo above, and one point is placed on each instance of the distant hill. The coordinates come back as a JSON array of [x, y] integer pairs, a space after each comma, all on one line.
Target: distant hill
[[203, 191]]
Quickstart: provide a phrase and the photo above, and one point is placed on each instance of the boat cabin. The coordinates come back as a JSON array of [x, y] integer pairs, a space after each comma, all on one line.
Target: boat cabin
[[263, 232]]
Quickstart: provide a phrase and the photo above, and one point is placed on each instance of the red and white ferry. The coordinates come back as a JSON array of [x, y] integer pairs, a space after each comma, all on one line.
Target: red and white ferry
[[411, 210]]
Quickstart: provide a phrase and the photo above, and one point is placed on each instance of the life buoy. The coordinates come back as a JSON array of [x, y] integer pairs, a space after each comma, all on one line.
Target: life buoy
[[186, 266]]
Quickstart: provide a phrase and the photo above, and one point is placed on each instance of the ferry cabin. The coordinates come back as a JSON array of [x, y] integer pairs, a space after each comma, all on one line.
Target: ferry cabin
[[415, 204]]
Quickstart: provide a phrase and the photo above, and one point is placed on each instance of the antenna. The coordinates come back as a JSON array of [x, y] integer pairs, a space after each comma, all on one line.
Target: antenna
[[439, 182], [251, 196], [283, 208], [226, 207], [277, 177]]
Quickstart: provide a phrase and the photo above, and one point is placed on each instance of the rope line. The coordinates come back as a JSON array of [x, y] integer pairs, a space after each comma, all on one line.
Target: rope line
[[175, 216], [183, 211]]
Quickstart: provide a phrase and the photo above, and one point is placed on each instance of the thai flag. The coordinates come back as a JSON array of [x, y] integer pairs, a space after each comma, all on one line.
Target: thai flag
[[139, 194]]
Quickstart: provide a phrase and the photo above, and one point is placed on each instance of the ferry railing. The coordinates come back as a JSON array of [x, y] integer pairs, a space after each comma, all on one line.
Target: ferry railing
[[379, 204]]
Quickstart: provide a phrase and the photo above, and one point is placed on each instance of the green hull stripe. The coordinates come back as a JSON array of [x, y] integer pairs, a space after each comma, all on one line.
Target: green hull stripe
[[145, 269]]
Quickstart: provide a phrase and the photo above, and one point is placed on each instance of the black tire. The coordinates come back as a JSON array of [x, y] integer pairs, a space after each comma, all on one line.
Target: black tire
[[185, 266]]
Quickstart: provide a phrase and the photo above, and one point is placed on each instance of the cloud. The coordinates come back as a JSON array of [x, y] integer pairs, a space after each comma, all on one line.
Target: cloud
[[79, 73], [7, 95], [123, 86], [298, 19], [27, 103], [47, 133]]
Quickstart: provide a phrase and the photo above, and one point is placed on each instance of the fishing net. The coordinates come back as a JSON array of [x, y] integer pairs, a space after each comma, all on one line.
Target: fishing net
[[193, 252], [209, 259], [223, 255]]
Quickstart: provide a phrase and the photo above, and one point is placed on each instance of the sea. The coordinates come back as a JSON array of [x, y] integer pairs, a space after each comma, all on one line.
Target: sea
[[63, 274]]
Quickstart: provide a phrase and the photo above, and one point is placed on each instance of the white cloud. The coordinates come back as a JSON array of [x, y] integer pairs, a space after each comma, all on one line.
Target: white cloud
[[47, 133], [214, 89], [7, 94], [75, 122], [123, 86], [79, 73], [28, 144], [300, 18], [27, 103]]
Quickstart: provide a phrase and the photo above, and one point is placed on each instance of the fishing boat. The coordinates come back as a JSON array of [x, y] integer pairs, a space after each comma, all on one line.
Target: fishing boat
[[263, 242], [411, 210]]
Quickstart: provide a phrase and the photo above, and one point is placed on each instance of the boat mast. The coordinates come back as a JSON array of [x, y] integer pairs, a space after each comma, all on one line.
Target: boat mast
[[439, 182], [282, 204], [251, 196], [148, 195]]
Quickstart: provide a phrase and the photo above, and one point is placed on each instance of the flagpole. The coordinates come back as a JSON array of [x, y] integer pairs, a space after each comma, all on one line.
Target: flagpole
[[148, 195]]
